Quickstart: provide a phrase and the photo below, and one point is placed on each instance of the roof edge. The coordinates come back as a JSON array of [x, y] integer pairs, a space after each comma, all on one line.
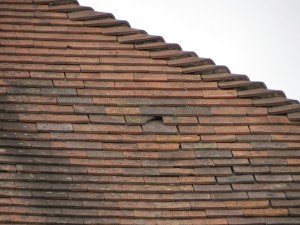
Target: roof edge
[[274, 100]]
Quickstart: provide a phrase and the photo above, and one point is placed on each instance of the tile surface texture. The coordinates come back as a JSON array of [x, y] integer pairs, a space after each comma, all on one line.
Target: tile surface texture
[[101, 123]]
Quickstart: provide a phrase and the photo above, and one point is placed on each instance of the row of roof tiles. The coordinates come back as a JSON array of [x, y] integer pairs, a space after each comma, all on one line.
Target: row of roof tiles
[[224, 82]]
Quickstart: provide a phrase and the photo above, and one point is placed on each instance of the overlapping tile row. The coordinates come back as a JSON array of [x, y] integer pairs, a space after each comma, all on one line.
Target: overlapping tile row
[[190, 63], [104, 124]]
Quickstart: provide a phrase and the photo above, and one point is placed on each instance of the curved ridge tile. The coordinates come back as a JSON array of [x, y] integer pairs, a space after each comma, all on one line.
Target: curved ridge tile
[[139, 38], [121, 30], [171, 54], [105, 23], [285, 109], [190, 61], [273, 101], [260, 92], [241, 84], [220, 77], [206, 69], [68, 8], [89, 15], [157, 46]]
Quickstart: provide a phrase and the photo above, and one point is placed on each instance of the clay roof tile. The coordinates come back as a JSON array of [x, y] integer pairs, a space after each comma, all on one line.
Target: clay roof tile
[[101, 123]]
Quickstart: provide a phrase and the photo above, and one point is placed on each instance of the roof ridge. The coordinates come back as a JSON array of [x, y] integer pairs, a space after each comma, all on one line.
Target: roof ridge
[[274, 100]]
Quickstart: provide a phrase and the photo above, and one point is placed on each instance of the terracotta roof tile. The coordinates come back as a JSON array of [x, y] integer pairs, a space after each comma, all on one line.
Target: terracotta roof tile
[[115, 126], [88, 15], [158, 46], [119, 31]]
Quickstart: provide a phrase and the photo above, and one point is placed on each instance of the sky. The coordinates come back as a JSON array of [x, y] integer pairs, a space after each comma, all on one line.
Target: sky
[[258, 38]]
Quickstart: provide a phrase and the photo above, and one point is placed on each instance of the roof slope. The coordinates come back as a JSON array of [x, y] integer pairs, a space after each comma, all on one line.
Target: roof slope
[[105, 124]]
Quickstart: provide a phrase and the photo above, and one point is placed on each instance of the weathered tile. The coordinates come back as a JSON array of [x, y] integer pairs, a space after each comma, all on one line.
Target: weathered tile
[[115, 126]]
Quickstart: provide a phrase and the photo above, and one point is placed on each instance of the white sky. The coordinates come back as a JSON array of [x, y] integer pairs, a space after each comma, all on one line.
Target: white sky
[[259, 38]]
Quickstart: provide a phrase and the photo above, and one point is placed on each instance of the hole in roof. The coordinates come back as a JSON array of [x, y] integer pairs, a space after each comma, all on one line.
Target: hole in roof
[[155, 118]]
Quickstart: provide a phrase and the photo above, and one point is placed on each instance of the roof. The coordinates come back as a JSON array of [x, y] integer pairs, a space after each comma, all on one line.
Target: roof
[[104, 124]]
